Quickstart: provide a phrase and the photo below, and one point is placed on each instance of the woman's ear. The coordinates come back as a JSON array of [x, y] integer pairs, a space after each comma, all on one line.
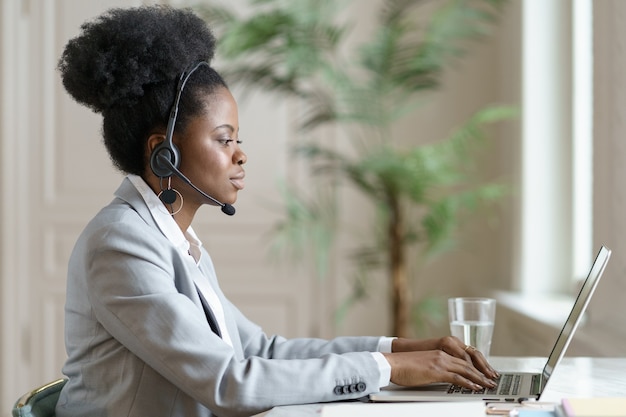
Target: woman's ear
[[164, 156], [153, 141]]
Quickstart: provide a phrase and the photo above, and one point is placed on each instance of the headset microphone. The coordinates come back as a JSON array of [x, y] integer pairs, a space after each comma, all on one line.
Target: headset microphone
[[165, 158], [226, 208]]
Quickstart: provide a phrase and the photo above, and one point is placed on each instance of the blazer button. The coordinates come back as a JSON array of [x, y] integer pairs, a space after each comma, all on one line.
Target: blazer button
[[338, 390], [361, 386], [346, 389]]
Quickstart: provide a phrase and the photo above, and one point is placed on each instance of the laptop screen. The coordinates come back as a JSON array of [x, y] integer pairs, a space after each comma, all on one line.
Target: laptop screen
[[575, 315]]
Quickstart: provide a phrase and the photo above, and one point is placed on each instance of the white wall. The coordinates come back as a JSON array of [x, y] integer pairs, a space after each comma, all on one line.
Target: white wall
[[609, 199]]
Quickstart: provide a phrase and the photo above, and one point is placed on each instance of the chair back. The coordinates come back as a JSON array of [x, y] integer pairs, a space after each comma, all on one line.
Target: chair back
[[40, 402]]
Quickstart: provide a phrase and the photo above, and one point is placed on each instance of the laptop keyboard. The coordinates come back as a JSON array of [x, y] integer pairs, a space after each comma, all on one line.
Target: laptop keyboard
[[508, 384]]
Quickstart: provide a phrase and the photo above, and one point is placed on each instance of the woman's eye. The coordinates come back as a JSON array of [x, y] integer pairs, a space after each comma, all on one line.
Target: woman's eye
[[226, 141]]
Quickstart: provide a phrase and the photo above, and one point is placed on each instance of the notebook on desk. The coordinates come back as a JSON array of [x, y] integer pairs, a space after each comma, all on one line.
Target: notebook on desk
[[511, 386]]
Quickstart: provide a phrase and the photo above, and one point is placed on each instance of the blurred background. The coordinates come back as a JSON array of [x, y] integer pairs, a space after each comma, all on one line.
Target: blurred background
[[561, 159]]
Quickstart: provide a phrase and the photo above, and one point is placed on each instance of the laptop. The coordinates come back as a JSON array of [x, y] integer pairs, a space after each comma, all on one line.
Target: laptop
[[516, 386]]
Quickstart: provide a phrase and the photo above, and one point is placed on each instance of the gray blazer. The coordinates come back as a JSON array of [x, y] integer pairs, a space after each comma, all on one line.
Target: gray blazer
[[139, 343]]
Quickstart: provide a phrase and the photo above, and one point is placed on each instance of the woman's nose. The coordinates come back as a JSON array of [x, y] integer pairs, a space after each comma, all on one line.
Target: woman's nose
[[240, 157]]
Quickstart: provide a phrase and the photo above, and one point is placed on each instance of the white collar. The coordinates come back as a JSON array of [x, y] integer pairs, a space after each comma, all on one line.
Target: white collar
[[187, 242]]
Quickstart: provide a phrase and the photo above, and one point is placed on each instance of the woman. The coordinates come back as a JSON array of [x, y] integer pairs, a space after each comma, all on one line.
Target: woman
[[148, 331]]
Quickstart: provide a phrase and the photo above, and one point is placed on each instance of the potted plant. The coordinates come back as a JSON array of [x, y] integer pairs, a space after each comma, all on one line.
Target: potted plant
[[420, 192]]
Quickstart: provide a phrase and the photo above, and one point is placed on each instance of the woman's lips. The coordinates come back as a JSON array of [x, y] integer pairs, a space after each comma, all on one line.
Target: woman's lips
[[238, 182]]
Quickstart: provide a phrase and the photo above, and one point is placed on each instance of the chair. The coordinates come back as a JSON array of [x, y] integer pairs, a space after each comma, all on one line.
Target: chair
[[39, 402]]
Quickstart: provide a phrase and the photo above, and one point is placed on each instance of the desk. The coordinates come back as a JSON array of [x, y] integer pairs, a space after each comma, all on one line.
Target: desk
[[574, 377]]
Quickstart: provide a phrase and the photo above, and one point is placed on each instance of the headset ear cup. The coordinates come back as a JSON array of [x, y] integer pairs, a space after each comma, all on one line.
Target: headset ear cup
[[164, 150]]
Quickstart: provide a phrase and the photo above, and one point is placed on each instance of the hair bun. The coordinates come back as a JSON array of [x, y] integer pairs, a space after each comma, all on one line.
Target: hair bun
[[124, 50]]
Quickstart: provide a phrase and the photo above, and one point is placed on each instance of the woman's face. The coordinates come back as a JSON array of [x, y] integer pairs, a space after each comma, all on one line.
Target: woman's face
[[210, 155]]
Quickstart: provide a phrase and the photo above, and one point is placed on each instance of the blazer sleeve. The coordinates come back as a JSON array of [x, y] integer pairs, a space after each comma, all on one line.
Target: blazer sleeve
[[133, 277], [255, 341]]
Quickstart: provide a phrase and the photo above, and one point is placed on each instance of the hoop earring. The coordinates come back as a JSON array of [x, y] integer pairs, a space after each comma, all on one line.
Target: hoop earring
[[169, 195]]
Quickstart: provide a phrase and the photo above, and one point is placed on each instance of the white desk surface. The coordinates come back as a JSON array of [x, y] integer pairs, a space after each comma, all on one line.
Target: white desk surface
[[573, 377]]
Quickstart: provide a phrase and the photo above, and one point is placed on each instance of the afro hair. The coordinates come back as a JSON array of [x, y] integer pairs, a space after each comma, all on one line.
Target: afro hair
[[125, 64], [124, 50]]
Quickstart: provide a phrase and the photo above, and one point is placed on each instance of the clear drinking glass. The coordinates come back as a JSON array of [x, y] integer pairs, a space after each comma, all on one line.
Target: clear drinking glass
[[472, 320]]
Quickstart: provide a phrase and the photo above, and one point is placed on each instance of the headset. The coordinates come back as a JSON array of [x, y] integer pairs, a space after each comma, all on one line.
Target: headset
[[165, 158]]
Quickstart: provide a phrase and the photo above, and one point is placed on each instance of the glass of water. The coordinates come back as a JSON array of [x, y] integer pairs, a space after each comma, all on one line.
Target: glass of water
[[472, 320]]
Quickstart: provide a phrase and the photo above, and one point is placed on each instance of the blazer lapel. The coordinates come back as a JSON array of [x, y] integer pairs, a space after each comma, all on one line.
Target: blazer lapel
[[209, 314], [128, 193]]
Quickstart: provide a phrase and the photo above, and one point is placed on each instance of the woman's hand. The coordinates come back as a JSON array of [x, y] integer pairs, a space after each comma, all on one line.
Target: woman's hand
[[447, 359]]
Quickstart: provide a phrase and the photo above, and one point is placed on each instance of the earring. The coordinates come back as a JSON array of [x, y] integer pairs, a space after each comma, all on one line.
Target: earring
[[168, 196]]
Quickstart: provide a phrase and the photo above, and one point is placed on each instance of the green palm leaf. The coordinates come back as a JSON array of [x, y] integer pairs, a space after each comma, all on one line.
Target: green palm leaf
[[422, 192]]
